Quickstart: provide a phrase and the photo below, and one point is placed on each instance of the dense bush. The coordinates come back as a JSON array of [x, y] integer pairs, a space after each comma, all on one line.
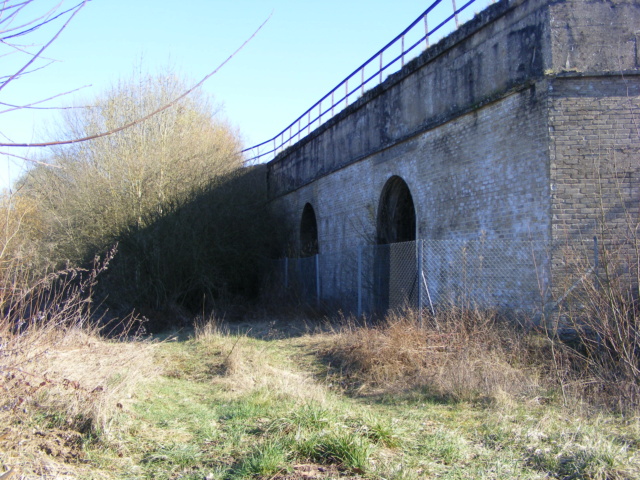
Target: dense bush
[[190, 220], [214, 245]]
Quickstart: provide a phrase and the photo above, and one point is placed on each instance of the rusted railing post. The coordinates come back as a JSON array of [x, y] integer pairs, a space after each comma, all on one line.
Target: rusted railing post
[[426, 30], [346, 93], [455, 13]]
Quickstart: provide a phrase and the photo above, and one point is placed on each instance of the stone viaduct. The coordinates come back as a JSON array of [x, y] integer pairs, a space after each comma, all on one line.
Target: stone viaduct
[[521, 127]]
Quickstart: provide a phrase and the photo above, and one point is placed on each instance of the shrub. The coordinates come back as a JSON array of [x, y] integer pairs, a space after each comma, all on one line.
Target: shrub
[[460, 354], [191, 222], [599, 323]]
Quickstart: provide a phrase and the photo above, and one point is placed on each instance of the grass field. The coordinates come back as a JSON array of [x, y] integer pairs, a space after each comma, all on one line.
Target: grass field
[[283, 400]]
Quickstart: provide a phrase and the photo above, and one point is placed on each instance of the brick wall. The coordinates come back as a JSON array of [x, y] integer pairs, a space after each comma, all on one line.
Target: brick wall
[[595, 172], [484, 175], [594, 153]]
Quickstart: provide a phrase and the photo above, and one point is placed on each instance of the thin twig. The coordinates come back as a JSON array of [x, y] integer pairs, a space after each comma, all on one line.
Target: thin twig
[[47, 45], [30, 160], [146, 117], [30, 106]]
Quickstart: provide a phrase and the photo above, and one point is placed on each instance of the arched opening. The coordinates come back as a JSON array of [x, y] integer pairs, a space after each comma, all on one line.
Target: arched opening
[[396, 213], [395, 281], [308, 232]]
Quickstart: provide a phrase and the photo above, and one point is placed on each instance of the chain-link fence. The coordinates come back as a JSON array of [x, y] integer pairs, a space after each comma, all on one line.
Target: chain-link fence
[[516, 275], [426, 273]]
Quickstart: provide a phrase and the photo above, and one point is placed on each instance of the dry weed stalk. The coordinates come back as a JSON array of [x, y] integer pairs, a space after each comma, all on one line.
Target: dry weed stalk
[[603, 317], [53, 358], [599, 313], [458, 353]]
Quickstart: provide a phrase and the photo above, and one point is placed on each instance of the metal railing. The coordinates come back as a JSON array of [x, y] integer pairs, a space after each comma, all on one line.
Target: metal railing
[[391, 58]]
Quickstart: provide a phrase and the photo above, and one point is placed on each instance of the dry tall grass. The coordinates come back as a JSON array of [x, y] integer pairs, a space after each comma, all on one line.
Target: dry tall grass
[[473, 355], [60, 379], [458, 354], [602, 314]]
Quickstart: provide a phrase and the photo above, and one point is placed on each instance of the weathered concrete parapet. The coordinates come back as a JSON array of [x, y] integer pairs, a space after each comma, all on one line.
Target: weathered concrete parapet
[[594, 36], [507, 46], [502, 48]]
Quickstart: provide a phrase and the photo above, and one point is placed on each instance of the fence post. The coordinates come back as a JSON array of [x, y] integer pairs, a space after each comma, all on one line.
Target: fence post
[[317, 279], [420, 275], [360, 280], [286, 272]]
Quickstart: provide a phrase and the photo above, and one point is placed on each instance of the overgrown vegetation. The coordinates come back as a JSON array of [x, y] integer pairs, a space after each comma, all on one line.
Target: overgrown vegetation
[[585, 348], [473, 355], [100, 190], [61, 382], [190, 221], [464, 393], [460, 355], [600, 322], [262, 404]]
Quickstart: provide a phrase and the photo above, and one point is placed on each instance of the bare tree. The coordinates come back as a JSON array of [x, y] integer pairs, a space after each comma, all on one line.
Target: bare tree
[[128, 179], [151, 169], [189, 221]]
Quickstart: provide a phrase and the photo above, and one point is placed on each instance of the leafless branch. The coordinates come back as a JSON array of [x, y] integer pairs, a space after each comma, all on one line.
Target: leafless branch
[[30, 106], [13, 77], [53, 39], [21, 49], [146, 117], [41, 24], [30, 160], [19, 7]]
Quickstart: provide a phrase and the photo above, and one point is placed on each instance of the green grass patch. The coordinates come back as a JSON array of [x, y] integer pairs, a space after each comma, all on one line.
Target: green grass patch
[[266, 417], [266, 460]]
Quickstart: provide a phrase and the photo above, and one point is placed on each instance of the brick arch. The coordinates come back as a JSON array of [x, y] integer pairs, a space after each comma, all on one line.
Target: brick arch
[[308, 232], [396, 220]]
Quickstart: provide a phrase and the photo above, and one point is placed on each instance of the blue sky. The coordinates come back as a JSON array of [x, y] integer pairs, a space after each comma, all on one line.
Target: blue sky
[[304, 50]]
